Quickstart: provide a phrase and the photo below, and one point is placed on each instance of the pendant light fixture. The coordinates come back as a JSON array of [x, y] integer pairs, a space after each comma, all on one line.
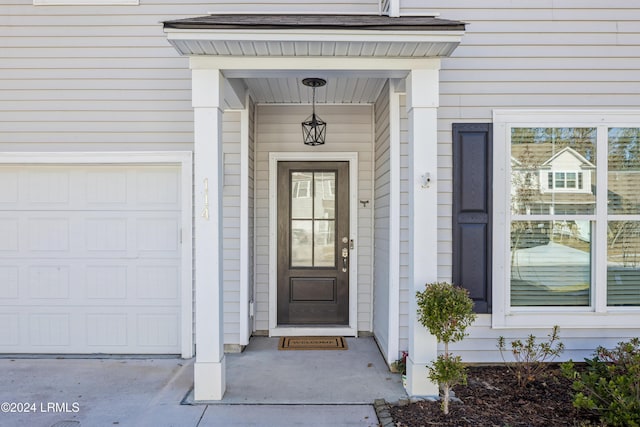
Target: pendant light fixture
[[314, 129]]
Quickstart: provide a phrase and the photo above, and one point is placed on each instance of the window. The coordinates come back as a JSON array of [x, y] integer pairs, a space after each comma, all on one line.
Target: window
[[567, 246], [565, 180], [301, 183]]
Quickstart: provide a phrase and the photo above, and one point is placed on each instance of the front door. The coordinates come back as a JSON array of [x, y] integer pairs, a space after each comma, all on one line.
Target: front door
[[313, 243]]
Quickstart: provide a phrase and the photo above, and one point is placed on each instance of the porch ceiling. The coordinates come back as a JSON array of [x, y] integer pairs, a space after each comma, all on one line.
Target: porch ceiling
[[338, 90]]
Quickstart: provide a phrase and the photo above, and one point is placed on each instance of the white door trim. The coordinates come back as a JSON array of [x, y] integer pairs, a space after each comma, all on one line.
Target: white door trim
[[181, 158], [274, 158]]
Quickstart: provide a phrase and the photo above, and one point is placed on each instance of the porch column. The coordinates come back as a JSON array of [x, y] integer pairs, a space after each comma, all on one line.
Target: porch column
[[422, 108], [209, 367]]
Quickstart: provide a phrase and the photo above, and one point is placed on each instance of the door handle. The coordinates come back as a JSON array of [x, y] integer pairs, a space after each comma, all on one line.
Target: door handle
[[345, 260]]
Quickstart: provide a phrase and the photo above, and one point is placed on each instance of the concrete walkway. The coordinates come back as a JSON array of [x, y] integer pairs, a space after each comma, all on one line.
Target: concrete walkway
[[265, 387]]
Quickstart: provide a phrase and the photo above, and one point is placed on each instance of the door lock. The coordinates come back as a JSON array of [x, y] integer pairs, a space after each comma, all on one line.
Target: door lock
[[345, 260]]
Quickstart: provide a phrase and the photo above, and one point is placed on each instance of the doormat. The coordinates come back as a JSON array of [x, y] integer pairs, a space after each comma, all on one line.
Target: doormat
[[312, 343]]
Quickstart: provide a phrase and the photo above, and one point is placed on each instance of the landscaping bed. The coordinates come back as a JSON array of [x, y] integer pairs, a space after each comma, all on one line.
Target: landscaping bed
[[492, 398]]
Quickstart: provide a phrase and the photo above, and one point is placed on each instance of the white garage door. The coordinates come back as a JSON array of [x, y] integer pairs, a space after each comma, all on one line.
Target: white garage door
[[90, 259]]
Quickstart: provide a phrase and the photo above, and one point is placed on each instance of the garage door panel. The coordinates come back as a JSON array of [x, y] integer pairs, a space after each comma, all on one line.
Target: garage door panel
[[159, 186], [125, 330], [48, 234], [9, 241], [9, 187], [97, 283], [158, 235], [106, 282], [9, 282], [49, 282], [9, 330], [158, 330], [81, 187], [157, 282], [93, 266], [25, 234], [107, 330], [49, 329], [106, 234], [106, 188], [48, 185]]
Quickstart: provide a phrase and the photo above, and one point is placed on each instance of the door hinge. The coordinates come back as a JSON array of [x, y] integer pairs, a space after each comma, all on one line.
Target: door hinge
[[251, 309]]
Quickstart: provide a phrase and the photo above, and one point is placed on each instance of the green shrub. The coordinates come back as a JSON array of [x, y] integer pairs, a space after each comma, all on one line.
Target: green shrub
[[531, 357], [448, 369], [446, 311], [610, 384]]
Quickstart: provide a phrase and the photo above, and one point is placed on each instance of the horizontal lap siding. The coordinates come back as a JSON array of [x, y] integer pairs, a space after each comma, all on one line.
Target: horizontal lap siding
[[231, 226], [404, 284], [530, 54], [366, 7], [349, 129], [480, 345], [382, 172], [93, 78]]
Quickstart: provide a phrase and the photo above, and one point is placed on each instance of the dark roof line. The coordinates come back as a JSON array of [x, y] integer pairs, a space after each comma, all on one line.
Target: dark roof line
[[317, 22]]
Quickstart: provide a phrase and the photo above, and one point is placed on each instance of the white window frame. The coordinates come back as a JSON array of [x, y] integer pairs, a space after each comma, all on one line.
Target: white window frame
[[597, 315]]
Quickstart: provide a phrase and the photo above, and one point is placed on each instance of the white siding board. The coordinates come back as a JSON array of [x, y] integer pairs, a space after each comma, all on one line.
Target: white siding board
[[231, 227], [381, 256], [293, 6], [93, 75], [404, 284]]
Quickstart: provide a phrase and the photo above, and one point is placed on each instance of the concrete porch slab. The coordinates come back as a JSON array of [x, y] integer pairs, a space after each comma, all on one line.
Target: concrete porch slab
[[264, 375]]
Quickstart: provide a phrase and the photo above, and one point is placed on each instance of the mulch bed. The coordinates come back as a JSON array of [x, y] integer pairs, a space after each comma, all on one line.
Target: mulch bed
[[492, 398]]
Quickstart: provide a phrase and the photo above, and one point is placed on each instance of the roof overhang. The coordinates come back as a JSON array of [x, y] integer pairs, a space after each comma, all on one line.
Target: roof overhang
[[315, 36]]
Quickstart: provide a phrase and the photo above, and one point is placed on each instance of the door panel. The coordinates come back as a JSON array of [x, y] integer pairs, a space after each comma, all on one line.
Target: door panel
[[313, 243]]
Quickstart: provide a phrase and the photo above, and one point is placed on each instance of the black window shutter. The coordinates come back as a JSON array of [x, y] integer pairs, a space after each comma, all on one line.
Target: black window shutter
[[472, 206]]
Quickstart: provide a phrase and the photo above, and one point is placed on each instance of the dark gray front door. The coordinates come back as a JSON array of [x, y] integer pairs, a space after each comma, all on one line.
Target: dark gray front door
[[313, 243]]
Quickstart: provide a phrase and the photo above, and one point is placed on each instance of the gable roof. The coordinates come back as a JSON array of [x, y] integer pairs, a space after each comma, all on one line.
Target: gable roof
[[585, 164]]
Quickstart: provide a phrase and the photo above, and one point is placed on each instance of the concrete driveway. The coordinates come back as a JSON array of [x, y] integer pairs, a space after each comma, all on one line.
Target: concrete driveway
[[138, 392]]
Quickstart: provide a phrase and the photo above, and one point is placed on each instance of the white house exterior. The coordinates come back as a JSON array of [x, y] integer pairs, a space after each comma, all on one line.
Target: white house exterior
[[144, 147]]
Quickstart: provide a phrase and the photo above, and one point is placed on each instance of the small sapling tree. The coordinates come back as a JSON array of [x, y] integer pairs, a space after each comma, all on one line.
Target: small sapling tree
[[446, 311]]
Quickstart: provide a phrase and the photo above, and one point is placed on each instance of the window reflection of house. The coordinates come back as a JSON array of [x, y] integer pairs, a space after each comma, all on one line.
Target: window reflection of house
[[548, 181], [552, 176], [563, 244], [313, 218], [301, 186]]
